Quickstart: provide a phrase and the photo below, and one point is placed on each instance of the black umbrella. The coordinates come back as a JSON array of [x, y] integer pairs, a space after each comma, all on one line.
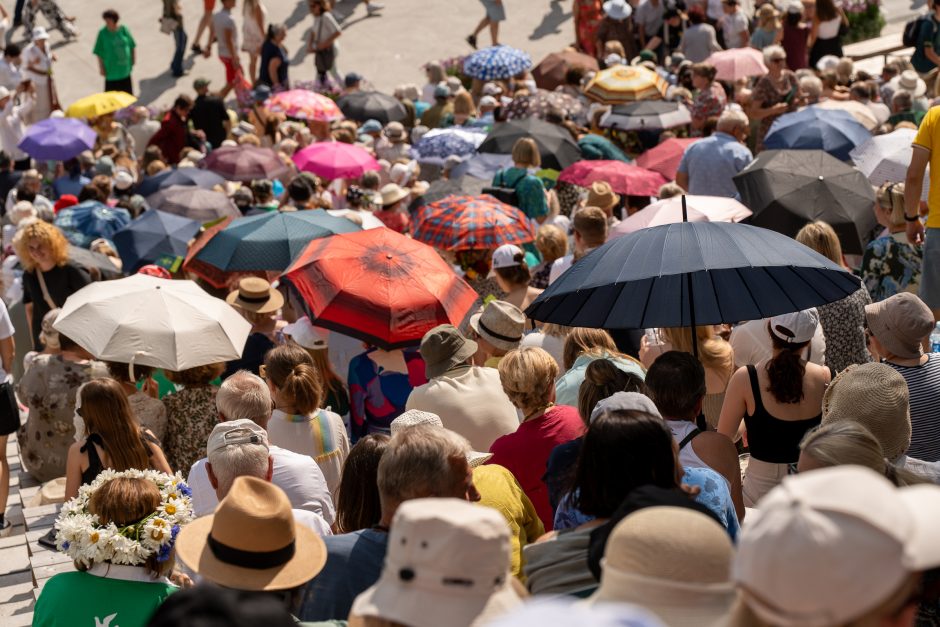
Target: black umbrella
[[788, 188], [556, 146], [201, 205], [192, 177], [372, 105], [442, 188]]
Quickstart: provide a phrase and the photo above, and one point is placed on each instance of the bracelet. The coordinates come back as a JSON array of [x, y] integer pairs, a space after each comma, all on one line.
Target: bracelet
[[908, 218]]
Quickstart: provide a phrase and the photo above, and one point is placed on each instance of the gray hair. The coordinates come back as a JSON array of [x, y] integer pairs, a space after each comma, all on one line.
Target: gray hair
[[732, 119], [245, 395], [238, 460], [772, 50], [811, 86], [419, 463]]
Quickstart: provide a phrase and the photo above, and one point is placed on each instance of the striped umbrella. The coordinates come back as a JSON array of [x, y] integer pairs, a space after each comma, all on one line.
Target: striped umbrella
[[304, 105], [625, 83], [471, 223], [496, 62]]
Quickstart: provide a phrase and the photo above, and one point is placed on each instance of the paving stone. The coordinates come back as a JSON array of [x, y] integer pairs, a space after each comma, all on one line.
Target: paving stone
[[21, 606], [16, 538], [16, 592], [19, 620], [45, 572], [48, 558], [14, 559]]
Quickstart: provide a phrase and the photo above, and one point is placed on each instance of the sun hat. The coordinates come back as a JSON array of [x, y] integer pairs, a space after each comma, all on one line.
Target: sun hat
[[488, 101], [442, 91], [827, 62], [875, 396], [625, 401], [797, 327], [40, 33], [447, 565], [617, 9], [673, 561], [827, 546], [910, 82], [395, 132], [567, 611], [614, 59], [900, 323], [123, 179], [505, 256], [500, 323], [255, 294], [252, 541], [233, 433], [392, 193], [795, 7], [443, 348], [454, 85], [602, 195], [491, 89], [371, 126], [415, 417], [104, 165], [305, 334]]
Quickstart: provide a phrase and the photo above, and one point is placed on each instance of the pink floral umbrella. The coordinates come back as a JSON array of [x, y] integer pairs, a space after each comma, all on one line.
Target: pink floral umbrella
[[737, 63], [304, 105], [335, 160]]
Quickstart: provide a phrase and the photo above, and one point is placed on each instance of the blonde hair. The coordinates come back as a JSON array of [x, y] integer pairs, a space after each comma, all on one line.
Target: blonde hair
[[891, 197], [551, 242], [613, 46], [45, 234], [822, 238], [528, 377], [583, 340], [526, 152], [713, 352], [463, 104]]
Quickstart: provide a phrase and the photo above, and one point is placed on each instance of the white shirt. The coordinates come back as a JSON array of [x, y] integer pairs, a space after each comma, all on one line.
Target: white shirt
[[554, 346], [10, 75], [312, 521], [222, 22], [321, 436], [12, 125], [6, 331], [732, 25], [559, 266], [751, 343], [142, 132], [649, 17], [33, 56]]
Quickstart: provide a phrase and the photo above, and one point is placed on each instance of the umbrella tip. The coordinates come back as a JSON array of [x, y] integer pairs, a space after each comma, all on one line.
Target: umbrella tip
[[821, 177]]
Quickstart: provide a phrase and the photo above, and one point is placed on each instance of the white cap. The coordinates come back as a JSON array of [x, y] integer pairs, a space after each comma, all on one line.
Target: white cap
[[307, 335], [625, 401], [829, 545], [235, 432], [505, 256], [797, 327], [40, 33], [123, 179], [491, 89], [488, 101]]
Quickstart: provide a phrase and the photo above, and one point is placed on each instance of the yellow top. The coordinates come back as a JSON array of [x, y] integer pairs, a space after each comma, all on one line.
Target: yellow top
[[928, 136]]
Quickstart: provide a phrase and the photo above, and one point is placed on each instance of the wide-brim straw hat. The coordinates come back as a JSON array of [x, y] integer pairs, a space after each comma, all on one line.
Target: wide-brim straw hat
[[600, 194], [255, 294]]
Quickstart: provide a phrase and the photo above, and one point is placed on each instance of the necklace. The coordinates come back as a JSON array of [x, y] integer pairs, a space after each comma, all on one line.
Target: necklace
[[540, 410]]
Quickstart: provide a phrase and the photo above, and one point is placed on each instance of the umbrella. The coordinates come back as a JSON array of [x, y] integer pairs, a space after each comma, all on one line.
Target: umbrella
[[665, 157], [269, 241], [595, 147], [100, 104], [335, 160], [202, 205], [812, 128], [646, 114], [210, 274], [885, 158], [153, 322], [496, 63], [669, 211], [556, 146], [57, 139], [541, 103], [444, 188], [87, 221], [94, 263], [304, 104], [735, 63], [862, 114], [550, 72], [624, 178], [380, 287], [368, 219], [153, 235], [439, 143], [246, 163], [482, 166], [625, 83], [372, 105], [788, 188], [192, 177], [471, 223]]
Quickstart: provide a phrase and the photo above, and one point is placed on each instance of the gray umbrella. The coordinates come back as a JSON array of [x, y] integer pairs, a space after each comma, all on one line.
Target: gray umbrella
[[201, 205]]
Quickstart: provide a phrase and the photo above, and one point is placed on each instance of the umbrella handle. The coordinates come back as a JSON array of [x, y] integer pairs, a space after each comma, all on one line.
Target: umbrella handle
[[130, 365]]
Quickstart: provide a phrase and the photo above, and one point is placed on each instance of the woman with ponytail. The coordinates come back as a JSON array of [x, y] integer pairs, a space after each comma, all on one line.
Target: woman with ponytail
[[779, 399], [297, 423]]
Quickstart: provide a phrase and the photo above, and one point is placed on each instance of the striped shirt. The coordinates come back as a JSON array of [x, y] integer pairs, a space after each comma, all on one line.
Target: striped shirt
[[923, 383], [321, 435]]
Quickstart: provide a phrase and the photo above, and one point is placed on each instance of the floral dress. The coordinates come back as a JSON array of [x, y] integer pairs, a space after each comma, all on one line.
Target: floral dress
[[710, 102], [767, 94], [843, 325], [890, 266], [590, 13], [191, 414]]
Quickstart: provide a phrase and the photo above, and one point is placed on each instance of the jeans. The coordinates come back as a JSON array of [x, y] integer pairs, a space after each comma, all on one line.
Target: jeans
[[176, 66]]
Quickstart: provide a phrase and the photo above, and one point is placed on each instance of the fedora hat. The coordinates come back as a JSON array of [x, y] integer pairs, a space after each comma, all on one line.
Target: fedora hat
[[255, 294], [600, 194], [900, 323], [252, 542], [414, 417], [444, 347], [500, 323], [392, 193]]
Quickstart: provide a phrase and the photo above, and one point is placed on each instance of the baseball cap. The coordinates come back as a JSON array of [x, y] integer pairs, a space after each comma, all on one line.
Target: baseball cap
[[352, 79], [797, 327], [829, 545], [441, 91], [900, 323], [371, 126], [123, 179], [199, 83], [505, 256], [235, 432]]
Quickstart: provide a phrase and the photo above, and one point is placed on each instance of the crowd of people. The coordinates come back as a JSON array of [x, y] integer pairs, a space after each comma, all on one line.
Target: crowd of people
[[499, 469]]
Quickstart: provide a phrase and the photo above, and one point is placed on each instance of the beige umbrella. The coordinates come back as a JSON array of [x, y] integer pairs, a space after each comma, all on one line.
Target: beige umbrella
[[626, 83], [857, 110]]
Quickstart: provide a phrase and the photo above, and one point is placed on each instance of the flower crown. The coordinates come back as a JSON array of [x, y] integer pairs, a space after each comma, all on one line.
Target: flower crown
[[81, 536]]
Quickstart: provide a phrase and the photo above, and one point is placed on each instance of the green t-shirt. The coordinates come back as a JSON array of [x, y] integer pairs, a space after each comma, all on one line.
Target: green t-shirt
[[77, 599], [115, 51]]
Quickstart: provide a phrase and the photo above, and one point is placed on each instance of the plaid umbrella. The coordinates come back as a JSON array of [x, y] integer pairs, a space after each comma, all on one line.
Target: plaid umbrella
[[496, 62], [471, 223], [85, 222], [440, 143], [623, 177], [625, 83], [246, 163], [550, 72], [304, 105], [540, 103]]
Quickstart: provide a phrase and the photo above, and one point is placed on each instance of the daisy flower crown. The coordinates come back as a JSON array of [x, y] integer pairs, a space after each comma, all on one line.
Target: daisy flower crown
[[82, 536]]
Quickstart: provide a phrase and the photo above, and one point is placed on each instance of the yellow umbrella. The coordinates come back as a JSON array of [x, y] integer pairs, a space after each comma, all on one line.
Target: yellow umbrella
[[100, 104], [625, 83]]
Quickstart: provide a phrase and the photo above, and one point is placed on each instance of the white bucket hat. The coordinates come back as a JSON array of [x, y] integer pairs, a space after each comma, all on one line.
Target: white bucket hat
[[307, 335], [617, 9]]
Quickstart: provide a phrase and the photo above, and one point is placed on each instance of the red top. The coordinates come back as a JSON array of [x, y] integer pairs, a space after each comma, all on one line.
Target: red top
[[525, 453], [394, 220], [171, 137]]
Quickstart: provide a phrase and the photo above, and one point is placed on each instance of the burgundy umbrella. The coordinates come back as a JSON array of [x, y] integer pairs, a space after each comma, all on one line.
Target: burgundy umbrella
[[246, 163]]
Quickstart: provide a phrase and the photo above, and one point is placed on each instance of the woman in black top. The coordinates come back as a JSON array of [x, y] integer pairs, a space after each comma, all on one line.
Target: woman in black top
[[274, 59]]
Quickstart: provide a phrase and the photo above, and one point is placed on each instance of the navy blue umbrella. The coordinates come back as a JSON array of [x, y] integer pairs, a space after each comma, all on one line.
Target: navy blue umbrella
[[812, 128], [191, 177], [87, 221], [153, 235]]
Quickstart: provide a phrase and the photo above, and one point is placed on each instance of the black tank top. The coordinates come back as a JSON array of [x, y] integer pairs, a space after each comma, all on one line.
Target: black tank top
[[770, 439], [94, 462]]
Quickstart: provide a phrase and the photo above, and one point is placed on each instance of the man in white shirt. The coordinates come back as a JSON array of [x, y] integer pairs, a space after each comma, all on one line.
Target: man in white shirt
[[225, 33], [142, 128], [10, 73], [13, 116], [733, 25], [590, 231], [648, 19]]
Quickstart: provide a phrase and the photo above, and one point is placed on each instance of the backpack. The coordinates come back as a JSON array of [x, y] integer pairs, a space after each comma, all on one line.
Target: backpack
[[911, 33], [503, 192]]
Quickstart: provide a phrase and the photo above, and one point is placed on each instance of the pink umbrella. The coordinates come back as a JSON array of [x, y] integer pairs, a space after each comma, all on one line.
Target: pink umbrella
[[335, 160], [623, 177], [669, 211], [737, 63], [665, 157], [304, 105]]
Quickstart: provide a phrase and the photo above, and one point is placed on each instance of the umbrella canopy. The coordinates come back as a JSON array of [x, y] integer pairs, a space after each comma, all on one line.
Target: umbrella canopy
[[57, 139], [812, 128], [100, 104], [788, 188], [647, 114], [439, 143], [246, 163], [482, 165], [732, 271], [542, 102], [735, 63], [556, 146], [550, 72], [862, 114], [666, 156], [444, 188], [669, 211], [153, 235], [94, 263], [372, 105], [191, 177], [87, 221], [624, 178], [596, 148], [380, 287], [269, 241], [496, 63], [625, 83], [335, 160], [153, 322], [201, 205], [304, 104], [885, 158], [471, 223]]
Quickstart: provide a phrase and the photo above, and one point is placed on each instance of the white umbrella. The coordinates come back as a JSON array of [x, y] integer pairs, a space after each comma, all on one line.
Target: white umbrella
[[885, 158], [369, 221], [669, 211], [153, 322], [862, 114]]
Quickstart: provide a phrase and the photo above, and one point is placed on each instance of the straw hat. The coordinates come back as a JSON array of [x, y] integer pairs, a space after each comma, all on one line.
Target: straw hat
[[447, 566], [444, 347], [900, 323], [875, 396], [500, 323], [602, 195], [395, 132], [414, 417], [255, 294], [392, 193], [307, 335], [252, 542], [673, 561]]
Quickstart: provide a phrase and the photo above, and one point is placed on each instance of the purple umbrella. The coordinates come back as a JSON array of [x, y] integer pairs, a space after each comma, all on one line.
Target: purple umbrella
[[246, 163], [57, 139]]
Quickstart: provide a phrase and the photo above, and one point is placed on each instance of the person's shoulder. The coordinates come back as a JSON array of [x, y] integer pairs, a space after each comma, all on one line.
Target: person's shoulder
[[342, 545], [283, 456]]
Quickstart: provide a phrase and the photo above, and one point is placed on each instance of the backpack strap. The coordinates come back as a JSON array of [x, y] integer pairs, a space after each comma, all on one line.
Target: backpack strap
[[691, 436]]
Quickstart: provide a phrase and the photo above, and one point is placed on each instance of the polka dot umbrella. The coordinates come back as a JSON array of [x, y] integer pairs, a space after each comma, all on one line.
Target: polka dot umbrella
[[496, 62]]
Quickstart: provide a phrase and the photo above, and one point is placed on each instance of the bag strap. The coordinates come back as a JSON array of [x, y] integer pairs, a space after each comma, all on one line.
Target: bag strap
[[691, 436], [45, 290]]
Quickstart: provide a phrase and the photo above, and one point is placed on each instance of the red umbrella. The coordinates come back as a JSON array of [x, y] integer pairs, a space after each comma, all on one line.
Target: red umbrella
[[665, 157], [623, 178], [246, 163], [380, 287], [550, 72]]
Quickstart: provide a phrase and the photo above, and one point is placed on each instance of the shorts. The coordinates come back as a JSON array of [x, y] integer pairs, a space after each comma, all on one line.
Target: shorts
[[494, 10], [930, 275], [230, 72], [208, 5]]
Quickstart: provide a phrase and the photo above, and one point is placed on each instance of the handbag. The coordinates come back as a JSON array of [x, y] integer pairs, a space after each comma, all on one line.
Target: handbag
[[9, 409], [323, 59], [168, 25]]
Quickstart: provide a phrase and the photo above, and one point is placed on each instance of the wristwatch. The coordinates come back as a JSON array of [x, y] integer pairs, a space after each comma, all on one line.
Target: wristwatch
[[913, 218]]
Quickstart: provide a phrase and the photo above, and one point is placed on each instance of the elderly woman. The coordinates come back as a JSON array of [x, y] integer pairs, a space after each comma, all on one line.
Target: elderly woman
[[274, 59], [191, 414], [775, 93], [710, 98], [891, 264]]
